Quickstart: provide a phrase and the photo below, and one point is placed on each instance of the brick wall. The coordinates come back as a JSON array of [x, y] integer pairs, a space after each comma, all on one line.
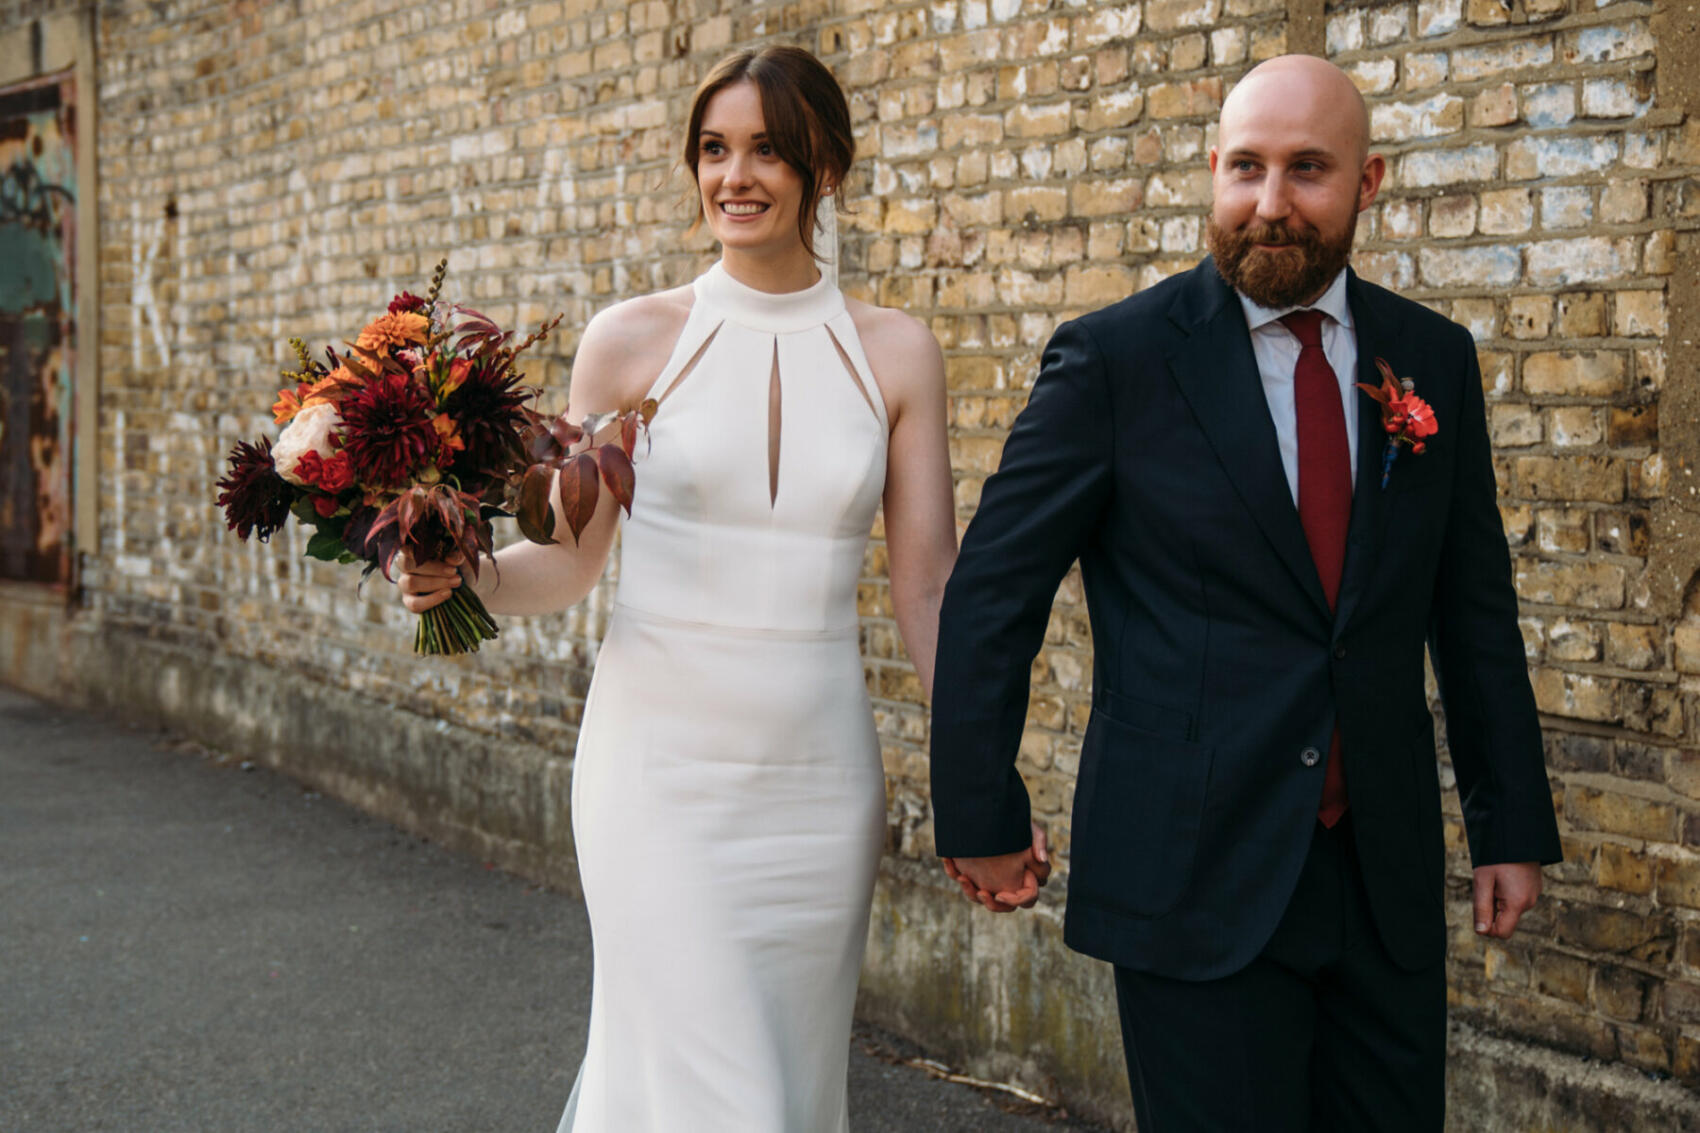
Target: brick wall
[[277, 169]]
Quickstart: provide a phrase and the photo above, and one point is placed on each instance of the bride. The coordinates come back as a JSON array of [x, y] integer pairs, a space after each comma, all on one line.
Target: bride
[[728, 798]]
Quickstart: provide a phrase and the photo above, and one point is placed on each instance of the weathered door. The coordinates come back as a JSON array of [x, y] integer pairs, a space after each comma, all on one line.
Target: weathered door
[[38, 174]]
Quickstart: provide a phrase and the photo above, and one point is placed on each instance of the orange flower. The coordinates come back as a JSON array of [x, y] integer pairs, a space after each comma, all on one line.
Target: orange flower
[[449, 434], [332, 387], [397, 328], [459, 369], [289, 403]]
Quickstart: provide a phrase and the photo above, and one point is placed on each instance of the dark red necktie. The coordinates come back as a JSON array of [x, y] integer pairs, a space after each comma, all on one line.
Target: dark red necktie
[[1325, 497]]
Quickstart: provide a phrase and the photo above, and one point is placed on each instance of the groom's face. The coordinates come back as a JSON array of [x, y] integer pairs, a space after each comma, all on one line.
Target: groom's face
[[1290, 175]]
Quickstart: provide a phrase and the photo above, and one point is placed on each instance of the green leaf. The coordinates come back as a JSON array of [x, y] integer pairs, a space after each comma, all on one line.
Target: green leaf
[[325, 545]]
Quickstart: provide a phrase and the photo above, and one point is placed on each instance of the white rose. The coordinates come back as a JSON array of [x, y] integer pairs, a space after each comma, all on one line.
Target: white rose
[[310, 431]]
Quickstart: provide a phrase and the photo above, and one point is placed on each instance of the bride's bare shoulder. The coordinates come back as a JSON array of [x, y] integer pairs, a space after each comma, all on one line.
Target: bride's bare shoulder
[[625, 346], [893, 340], [638, 321], [888, 328]]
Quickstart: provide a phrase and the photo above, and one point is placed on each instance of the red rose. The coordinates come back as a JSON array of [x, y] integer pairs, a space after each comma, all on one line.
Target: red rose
[[337, 473], [310, 468], [325, 505]]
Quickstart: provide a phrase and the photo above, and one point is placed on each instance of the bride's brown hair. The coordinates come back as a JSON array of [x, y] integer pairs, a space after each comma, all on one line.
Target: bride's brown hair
[[807, 119]]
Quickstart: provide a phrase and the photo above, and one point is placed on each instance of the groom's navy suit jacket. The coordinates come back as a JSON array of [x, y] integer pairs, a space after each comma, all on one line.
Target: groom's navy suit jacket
[[1147, 452]]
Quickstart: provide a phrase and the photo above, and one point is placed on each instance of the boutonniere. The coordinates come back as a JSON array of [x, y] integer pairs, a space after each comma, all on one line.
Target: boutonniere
[[1406, 418]]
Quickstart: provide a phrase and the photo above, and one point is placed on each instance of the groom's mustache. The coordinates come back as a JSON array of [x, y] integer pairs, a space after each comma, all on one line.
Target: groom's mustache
[[1277, 280], [1276, 234]]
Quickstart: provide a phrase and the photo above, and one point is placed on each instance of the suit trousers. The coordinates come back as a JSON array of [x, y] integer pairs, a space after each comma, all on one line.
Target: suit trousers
[[1321, 1032]]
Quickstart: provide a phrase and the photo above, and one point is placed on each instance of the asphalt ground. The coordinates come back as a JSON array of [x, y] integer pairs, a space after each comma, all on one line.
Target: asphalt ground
[[188, 942]]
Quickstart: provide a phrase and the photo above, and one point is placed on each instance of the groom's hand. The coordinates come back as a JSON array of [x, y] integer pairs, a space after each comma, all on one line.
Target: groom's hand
[[1503, 894], [1004, 882]]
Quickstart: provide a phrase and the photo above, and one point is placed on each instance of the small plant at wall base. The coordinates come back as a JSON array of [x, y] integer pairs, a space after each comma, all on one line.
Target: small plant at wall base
[[416, 437]]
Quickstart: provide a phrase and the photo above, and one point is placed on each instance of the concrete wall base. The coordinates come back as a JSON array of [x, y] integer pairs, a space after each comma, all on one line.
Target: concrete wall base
[[1000, 997]]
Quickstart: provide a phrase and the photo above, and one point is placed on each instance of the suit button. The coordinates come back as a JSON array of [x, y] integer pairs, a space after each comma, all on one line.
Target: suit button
[[1310, 757], [1339, 650]]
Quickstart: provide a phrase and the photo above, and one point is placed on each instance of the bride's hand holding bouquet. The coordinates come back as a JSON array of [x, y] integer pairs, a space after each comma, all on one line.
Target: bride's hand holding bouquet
[[578, 457]]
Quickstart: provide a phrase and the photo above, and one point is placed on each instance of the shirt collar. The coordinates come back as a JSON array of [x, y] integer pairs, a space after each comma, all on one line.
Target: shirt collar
[[1333, 304]]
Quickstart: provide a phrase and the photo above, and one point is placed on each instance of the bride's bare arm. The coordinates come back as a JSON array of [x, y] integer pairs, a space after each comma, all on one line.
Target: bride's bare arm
[[919, 505], [621, 354]]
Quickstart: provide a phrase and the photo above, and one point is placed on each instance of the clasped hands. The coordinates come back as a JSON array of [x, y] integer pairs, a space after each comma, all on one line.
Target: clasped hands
[[1004, 882]]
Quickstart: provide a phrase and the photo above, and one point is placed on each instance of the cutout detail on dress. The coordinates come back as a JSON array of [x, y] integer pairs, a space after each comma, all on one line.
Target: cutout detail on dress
[[685, 370], [773, 430], [850, 368]]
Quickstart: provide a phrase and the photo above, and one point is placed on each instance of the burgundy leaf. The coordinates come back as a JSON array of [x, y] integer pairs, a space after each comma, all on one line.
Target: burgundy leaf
[[410, 513], [536, 517], [386, 540], [628, 434], [578, 492], [617, 473], [540, 443], [450, 512], [355, 367], [566, 433]]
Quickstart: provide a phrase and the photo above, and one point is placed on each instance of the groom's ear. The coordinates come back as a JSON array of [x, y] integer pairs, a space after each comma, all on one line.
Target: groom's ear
[[1369, 181]]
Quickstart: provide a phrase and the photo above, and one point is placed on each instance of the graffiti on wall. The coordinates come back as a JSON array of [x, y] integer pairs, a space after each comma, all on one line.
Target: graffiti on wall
[[38, 186]]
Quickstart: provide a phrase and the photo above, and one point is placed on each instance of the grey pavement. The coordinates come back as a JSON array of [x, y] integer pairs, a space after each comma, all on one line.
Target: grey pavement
[[186, 945]]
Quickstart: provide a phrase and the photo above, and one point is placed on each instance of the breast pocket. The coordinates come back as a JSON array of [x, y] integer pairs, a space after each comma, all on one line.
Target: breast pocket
[[1137, 811]]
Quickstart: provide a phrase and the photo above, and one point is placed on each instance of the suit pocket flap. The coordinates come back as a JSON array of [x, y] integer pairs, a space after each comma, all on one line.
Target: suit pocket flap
[[1170, 723]]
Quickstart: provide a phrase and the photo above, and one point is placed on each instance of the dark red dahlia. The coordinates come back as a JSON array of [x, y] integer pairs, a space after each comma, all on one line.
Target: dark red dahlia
[[255, 498], [386, 430], [406, 301], [488, 412]]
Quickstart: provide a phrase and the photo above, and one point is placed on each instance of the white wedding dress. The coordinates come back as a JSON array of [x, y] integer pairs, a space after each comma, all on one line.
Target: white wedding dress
[[728, 799]]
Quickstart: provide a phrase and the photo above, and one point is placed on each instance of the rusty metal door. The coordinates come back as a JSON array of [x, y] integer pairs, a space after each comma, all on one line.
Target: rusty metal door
[[38, 175]]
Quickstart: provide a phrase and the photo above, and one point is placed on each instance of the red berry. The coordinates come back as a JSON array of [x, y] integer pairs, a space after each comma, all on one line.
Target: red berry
[[1418, 448], [1391, 428]]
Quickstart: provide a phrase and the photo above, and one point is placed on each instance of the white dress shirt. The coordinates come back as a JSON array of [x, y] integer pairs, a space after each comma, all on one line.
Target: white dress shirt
[[1277, 350]]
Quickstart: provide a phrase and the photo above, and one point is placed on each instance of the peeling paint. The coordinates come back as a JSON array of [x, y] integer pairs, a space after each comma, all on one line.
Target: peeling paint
[[38, 190]]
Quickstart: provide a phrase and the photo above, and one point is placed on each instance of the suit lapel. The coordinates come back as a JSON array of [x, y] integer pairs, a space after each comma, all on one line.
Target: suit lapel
[[1369, 505], [1214, 366]]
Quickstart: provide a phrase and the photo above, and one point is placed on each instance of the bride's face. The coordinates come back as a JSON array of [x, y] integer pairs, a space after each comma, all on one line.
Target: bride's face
[[750, 196]]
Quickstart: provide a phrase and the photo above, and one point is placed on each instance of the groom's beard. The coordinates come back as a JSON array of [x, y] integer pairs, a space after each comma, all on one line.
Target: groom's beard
[[1279, 279]]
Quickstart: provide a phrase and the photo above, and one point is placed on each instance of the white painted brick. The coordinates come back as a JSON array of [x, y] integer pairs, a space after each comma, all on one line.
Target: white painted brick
[[1426, 168], [1591, 259], [1496, 265]]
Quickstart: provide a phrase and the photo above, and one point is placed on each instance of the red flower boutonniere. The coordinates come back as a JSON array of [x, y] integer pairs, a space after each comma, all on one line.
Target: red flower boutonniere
[[1407, 418]]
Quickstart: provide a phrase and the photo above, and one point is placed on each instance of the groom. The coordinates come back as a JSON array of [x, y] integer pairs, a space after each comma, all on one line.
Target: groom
[[1257, 837]]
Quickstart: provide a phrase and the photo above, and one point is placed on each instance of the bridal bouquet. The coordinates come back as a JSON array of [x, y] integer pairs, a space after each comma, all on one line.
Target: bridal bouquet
[[416, 437]]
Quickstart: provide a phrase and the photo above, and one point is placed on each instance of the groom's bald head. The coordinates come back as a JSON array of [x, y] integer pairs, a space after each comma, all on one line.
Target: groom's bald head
[[1301, 94]]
